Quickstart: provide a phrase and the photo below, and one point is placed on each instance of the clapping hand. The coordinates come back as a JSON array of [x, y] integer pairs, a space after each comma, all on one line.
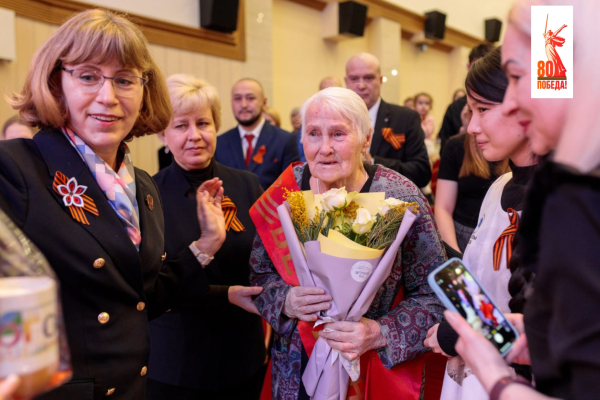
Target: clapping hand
[[210, 216]]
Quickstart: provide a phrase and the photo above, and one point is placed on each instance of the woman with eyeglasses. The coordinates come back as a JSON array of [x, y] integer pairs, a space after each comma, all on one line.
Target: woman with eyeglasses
[[98, 220]]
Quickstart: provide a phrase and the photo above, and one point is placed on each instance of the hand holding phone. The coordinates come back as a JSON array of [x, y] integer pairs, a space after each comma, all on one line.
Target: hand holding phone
[[459, 291]]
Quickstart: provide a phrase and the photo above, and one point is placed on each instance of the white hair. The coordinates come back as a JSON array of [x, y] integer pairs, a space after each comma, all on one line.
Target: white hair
[[579, 143], [343, 104]]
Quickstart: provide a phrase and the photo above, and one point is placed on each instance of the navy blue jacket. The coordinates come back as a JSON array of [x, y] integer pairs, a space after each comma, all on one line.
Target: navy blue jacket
[[281, 150]]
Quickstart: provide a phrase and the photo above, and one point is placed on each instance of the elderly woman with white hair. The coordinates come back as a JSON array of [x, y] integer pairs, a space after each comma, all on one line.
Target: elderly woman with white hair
[[336, 134]]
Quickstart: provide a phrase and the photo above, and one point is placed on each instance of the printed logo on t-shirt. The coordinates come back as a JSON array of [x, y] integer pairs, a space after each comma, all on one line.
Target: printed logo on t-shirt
[[474, 235]]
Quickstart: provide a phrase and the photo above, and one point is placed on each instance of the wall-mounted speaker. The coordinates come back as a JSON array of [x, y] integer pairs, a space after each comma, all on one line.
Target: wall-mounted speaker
[[493, 26], [219, 15], [352, 18], [435, 25]]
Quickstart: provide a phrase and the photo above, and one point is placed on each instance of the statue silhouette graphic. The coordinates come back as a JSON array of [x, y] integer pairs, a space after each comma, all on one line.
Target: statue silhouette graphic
[[553, 41]]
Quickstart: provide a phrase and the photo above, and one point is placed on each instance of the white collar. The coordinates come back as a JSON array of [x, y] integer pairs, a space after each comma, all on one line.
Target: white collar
[[373, 112], [256, 131]]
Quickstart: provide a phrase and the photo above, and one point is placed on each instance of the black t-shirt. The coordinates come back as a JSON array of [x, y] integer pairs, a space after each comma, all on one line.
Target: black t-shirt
[[471, 189], [452, 123]]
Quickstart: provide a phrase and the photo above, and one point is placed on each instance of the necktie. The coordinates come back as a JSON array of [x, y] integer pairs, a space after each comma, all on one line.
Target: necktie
[[249, 137]]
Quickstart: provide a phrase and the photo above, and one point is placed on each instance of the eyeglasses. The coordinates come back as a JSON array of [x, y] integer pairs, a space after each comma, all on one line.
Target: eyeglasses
[[91, 81]]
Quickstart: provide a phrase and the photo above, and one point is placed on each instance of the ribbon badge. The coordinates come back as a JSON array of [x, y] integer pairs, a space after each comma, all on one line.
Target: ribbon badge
[[506, 237], [74, 197], [229, 212], [260, 153], [395, 139]]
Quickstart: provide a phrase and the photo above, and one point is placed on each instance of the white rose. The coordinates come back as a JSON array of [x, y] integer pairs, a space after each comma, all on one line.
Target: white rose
[[334, 198], [387, 204], [363, 222]]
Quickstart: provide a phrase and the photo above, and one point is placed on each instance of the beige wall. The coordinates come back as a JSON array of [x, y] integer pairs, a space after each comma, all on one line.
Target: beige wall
[[220, 72], [301, 58], [433, 71], [284, 51], [465, 15]]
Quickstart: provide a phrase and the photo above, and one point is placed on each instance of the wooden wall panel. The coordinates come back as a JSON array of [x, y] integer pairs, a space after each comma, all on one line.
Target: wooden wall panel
[[218, 71], [225, 45]]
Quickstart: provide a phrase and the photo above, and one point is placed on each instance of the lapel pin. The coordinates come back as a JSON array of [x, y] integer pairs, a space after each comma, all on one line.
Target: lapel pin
[[150, 202], [74, 197], [260, 152]]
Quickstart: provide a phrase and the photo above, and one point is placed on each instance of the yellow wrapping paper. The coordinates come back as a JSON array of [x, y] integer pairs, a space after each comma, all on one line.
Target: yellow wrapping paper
[[338, 245]]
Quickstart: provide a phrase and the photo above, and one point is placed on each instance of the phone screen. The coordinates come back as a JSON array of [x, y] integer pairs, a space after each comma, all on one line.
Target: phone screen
[[464, 292]]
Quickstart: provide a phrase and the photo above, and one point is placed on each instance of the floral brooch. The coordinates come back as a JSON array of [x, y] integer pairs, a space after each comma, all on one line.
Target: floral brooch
[[74, 197]]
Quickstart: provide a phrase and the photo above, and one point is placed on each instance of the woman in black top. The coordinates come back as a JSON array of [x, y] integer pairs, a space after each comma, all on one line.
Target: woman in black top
[[500, 136], [463, 180], [213, 349]]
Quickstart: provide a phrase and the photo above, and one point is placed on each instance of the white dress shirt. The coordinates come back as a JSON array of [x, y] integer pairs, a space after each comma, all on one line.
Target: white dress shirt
[[255, 132], [373, 117]]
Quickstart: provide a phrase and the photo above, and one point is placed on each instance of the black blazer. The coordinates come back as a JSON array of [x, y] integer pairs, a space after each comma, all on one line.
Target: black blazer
[[216, 344], [127, 286], [281, 151], [411, 158]]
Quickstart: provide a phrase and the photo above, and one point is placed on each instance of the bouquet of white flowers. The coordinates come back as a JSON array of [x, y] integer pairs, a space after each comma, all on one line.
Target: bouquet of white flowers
[[345, 243]]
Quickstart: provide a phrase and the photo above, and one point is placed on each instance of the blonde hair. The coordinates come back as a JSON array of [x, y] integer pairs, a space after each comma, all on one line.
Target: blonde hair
[[188, 93], [579, 143], [96, 36], [344, 104]]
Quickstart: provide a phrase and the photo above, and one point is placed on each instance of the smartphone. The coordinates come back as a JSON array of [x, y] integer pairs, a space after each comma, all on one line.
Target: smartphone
[[459, 291]]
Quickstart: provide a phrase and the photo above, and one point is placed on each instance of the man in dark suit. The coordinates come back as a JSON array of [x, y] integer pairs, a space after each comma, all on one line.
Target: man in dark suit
[[398, 140], [254, 145]]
